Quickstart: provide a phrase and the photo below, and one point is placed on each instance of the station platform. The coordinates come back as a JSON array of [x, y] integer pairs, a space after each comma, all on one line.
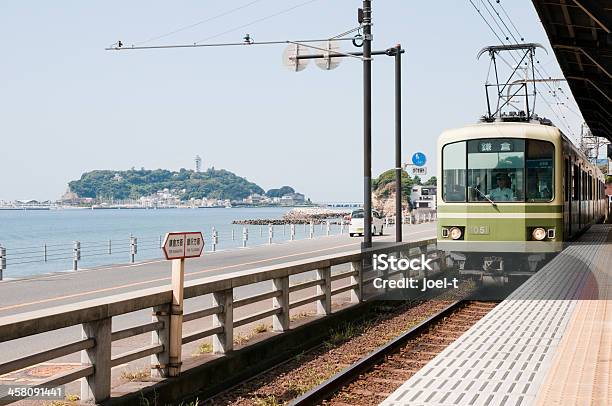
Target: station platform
[[548, 343]]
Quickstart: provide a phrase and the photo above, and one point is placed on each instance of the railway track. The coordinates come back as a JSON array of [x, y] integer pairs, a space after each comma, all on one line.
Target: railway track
[[377, 375]]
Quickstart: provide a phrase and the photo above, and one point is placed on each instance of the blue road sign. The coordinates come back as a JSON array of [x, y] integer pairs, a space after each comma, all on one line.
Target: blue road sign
[[419, 159]]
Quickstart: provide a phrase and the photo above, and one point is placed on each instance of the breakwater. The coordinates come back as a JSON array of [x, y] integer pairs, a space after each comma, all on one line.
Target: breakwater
[[301, 215]]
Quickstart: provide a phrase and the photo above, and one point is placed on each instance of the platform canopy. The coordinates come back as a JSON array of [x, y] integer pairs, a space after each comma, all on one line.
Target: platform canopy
[[580, 32]]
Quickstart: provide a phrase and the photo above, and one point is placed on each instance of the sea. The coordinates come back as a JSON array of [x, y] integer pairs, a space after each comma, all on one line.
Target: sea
[[41, 241]]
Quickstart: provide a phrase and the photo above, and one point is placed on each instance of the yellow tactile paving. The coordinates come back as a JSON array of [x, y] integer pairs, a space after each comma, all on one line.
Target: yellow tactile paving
[[581, 372]]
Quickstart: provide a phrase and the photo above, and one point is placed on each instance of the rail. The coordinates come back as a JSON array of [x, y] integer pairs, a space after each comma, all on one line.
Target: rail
[[96, 316]]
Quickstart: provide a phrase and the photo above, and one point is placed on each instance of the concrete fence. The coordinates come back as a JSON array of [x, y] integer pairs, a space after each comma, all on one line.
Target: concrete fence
[[96, 316]]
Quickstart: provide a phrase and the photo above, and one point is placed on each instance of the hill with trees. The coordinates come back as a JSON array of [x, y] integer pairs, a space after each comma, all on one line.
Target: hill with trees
[[134, 183]]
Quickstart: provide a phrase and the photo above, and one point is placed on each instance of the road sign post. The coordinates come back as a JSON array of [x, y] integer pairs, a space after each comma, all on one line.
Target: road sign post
[[177, 247]]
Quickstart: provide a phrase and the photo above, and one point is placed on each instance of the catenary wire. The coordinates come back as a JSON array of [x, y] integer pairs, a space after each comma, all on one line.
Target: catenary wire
[[215, 17], [256, 21]]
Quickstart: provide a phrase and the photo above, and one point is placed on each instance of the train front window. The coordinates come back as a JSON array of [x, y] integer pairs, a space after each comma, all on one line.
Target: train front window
[[540, 165], [453, 172], [496, 170]]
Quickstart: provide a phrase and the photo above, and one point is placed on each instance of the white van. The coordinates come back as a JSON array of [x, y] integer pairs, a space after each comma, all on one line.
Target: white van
[[357, 220]]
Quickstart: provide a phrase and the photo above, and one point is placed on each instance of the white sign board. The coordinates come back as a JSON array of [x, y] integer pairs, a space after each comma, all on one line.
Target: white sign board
[[422, 170], [183, 245]]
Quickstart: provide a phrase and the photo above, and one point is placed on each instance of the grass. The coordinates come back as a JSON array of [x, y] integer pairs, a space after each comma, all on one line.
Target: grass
[[191, 403], [300, 315], [267, 401], [204, 348], [140, 375], [242, 338], [261, 328], [342, 333]]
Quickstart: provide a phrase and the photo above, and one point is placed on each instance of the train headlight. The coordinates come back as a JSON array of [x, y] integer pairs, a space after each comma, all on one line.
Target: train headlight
[[455, 233], [538, 234]]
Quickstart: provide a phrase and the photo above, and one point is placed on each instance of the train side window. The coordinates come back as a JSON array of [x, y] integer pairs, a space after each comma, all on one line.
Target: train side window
[[540, 167], [453, 172], [567, 182], [576, 183]]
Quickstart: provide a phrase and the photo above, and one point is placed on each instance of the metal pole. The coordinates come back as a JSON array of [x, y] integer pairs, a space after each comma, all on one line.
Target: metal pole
[[110, 247], [398, 142], [245, 236], [76, 254], [367, 123], [133, 248], [45, 252], [2, 261]]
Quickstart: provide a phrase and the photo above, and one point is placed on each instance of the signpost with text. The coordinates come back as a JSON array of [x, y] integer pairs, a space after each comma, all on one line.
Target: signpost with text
[[178, 246]]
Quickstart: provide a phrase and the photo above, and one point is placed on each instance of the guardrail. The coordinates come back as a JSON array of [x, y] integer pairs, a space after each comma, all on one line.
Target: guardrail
[[95, 316], [146, 246]]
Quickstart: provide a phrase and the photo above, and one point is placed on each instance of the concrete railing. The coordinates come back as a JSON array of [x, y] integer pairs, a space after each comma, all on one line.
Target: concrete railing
[[95, 317]]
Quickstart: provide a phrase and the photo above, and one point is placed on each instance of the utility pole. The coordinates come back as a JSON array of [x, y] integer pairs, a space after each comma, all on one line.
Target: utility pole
[[367, 123], [398, 143]]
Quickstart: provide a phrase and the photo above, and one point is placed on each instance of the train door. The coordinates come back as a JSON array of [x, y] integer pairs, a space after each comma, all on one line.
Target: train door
[[590, 193], [575, 199], [581, 198], [567, 205]]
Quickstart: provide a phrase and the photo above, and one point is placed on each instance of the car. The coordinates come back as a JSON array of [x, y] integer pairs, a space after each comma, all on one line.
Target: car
[[356, 223]]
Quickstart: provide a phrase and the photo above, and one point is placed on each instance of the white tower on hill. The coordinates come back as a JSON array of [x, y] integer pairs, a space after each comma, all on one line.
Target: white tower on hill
[[198, 163]]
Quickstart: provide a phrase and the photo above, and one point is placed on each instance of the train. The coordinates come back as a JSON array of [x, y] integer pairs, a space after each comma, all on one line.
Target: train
[[511, 192]]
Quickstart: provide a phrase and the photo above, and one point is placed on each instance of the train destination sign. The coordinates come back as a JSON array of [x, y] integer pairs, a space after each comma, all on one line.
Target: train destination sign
[[180, 245], [493, 145]]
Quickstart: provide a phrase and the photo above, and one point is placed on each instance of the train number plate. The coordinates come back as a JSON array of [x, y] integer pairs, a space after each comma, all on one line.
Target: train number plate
[[478, 229]]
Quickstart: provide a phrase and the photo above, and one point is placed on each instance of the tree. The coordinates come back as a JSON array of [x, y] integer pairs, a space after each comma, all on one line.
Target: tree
[[417, 180], [138, 183], [389, 177], [431, 181], [285, 190]]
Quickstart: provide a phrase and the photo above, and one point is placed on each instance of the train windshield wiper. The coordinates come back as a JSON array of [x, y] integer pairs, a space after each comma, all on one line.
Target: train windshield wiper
[[483, 195]]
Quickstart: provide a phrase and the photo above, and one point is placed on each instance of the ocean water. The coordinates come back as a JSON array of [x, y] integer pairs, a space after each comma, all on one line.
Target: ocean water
[[25, 233]]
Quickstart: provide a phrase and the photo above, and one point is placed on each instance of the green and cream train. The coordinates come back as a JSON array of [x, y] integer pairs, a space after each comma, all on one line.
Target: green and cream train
[[510, 193]]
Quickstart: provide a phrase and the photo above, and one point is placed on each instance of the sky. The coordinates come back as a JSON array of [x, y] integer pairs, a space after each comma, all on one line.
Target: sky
[[68, 106]]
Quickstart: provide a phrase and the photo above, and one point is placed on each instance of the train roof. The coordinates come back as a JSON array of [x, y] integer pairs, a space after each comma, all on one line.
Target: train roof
[[501, 129], [533, 129]]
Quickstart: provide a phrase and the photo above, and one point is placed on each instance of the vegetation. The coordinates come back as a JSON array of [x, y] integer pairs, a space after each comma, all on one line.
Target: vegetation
[[389, 177], [431, 181], [204, 348], [285, 190], [133, 184]]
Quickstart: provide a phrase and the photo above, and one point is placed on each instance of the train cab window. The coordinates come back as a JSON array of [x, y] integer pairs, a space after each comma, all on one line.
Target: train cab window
[[496, 170], [453, 172], [540, 164]]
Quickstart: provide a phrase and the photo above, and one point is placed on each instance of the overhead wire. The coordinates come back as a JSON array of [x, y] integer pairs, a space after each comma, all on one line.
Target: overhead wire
[[215, 17], [257, 21], [561, 118], [536, 68]]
